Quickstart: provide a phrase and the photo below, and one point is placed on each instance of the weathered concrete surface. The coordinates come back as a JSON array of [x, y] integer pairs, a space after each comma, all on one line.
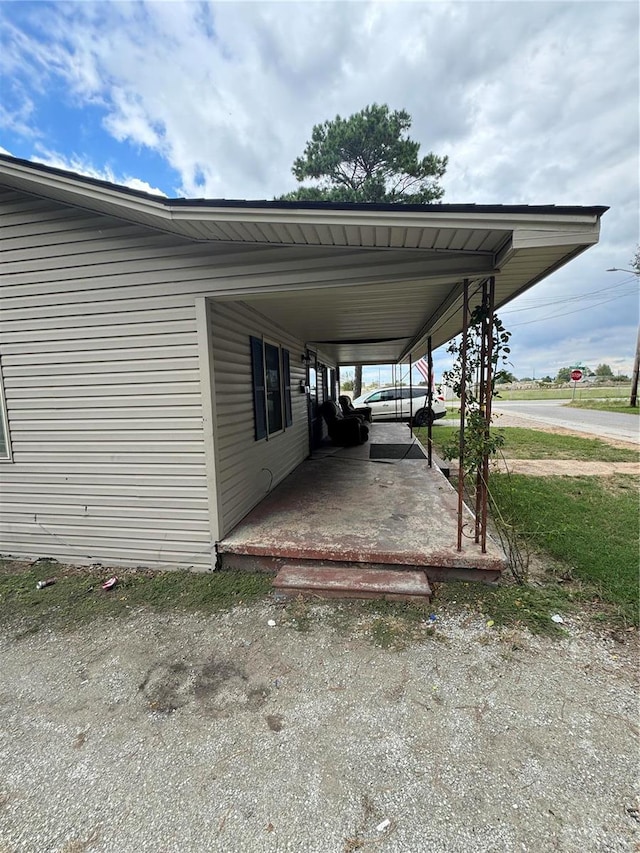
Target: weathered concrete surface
[[342, 506], [339, 582]]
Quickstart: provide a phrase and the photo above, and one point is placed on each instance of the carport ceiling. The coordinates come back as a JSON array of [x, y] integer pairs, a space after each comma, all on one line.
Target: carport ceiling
[[386, 314], [389, 320], [361, 283]]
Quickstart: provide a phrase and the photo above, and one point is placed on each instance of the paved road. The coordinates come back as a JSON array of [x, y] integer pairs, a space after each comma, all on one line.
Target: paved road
[[611, 424]]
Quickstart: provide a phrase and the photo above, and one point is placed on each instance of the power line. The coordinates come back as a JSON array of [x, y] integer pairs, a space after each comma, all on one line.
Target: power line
[[569, 301], [566, 313], [563, 299]]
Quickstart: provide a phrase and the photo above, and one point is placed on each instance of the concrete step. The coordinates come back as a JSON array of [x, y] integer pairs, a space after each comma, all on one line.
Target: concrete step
[[249, 562], [339, 582]]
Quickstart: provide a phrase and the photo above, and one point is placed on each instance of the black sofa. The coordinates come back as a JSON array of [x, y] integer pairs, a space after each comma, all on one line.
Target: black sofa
[[347, 408], [345, 431]]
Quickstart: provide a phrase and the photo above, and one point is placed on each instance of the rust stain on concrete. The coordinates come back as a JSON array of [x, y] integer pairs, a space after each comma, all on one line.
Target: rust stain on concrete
[[346, 507]]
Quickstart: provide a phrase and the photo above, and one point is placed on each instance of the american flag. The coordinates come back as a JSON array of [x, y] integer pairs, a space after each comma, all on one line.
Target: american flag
[[423, 366]]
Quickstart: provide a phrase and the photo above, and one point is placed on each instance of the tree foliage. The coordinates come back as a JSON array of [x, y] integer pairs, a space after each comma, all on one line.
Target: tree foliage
[[504, 377], [564, 375], [479, 439], [367, 158], [604, 370]]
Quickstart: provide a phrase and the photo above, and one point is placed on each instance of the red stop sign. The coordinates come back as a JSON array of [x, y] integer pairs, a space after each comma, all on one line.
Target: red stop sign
[[576, 375]]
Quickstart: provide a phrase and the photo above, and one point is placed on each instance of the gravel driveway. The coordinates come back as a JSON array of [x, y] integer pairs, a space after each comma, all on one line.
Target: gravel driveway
[[179, 733]]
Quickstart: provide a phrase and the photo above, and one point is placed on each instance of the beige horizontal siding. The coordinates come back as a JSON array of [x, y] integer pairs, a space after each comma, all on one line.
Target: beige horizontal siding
[[103, 398], [107, 513], [104, 377], [91, 413], [100, 359], [104, 369], [248, 469], [160, 276], [159, 554], [128, 347]]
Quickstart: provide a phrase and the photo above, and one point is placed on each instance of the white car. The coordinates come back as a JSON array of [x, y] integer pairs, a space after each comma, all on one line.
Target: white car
[[394, 404]]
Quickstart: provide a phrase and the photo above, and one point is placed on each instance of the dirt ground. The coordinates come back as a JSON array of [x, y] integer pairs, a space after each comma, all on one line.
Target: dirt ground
[[564, 467], [567, 467], [186, 734], [182, 733]]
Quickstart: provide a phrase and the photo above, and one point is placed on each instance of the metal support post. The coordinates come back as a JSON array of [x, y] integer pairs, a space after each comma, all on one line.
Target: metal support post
[[430, 403], [481, 388], [487, 409], [463, 393], [410, 396]]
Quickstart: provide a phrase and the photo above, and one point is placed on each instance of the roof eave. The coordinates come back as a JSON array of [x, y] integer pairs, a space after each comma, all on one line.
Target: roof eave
[[128, 203]]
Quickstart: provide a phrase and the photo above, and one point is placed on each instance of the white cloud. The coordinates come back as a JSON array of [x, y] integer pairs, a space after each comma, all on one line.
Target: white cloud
[[82, 166], [19, 120], [534, 103], [130, 122], [229, 93]]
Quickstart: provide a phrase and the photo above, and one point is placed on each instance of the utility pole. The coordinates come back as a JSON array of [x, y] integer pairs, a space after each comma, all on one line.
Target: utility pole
[[633, 400]]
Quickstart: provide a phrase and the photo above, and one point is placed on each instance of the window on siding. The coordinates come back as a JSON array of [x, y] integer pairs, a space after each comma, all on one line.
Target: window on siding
[[5, 444], [274, 387], [271, 376]]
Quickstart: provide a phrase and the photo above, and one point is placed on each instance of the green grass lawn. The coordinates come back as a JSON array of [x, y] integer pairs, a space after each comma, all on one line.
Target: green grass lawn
[[612, 405], [77, 596], [523, 443], [583, 392], [590, 524]]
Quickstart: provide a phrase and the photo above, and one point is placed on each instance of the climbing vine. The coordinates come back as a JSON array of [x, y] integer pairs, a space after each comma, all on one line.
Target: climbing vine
[[480, 439]]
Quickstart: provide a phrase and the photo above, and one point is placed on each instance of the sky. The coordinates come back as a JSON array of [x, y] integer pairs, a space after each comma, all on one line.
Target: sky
[[533, 102]]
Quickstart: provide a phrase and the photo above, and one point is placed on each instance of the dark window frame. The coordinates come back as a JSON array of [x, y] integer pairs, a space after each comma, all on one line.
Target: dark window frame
[[261, 351]]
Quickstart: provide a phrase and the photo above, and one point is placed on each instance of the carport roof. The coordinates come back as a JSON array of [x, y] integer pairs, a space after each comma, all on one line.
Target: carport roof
[[384, 277]]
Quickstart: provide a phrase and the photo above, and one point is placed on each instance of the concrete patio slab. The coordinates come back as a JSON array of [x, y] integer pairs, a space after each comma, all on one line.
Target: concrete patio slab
[[341, 506]]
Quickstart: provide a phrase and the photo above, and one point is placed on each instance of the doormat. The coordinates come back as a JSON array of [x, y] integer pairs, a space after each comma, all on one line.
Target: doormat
[[396, 451]]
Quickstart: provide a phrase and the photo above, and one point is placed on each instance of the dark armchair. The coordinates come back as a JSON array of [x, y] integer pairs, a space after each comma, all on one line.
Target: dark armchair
[[348, 410], [345, 431]]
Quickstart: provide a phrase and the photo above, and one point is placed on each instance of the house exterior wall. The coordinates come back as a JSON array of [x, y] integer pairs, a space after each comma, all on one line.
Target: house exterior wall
[[100, 359], [247, 469]]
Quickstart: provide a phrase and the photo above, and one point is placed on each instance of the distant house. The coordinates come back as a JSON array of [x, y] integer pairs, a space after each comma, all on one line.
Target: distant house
[[162, 360]]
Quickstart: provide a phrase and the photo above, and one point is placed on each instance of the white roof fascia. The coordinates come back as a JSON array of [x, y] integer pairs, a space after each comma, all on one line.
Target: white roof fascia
[[380, 218], [82, 194], [79, 193], [563, 234]]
